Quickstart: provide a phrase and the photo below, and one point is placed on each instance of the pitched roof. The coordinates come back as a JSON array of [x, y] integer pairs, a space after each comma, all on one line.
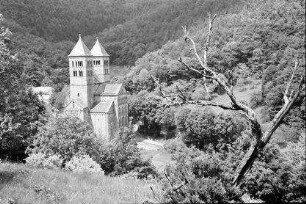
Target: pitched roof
[[102, 107], [112, 89], [80, 49], [98, 51], [99, 88]]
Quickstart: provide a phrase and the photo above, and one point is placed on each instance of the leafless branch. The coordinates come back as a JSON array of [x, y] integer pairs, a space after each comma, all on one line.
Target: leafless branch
[[256, 148], [189, 67], [286, 99], [210, 103], [261, 139]]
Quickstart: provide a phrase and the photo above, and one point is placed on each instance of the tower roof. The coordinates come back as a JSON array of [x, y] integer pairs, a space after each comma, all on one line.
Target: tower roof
[[98, 51], [80, 49]]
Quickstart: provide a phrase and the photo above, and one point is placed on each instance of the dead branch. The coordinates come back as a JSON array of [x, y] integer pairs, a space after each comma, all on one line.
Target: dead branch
[[260, 142], [256, 148], [260, 139]]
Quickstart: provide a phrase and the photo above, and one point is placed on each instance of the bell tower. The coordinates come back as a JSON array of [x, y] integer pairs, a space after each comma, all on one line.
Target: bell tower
[[100, 62], [81, 74]]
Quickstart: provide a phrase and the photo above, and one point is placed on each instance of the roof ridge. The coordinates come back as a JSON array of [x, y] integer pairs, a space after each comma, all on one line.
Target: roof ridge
[[98, 50], [80, 49]]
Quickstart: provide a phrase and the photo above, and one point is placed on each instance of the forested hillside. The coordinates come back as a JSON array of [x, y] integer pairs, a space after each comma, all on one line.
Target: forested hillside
[[128, 28], [261, 42], [175, 93], [60, 20]]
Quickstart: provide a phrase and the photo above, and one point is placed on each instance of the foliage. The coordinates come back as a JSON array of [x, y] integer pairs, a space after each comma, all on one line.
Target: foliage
[[201, 177], [129, 28], [121, 156], [203, 127], [279, 174], [44, 161], [66, 136], [21, 112], [83, 163], [260, 41], [256, 100], [150, 110], [58, 99]]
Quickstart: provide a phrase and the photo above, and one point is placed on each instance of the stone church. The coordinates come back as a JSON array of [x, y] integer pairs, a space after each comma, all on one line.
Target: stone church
[[92, 98]]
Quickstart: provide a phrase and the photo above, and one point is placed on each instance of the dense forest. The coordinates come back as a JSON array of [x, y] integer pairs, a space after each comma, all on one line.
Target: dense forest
[[253, 47], [46, 32]]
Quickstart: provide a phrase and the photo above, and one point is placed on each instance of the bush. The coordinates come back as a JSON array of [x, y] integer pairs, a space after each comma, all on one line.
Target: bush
[[44, 161], [201, 177], [175, 145], [202, 127], [121, 156], [83, 163], [69, 136], [199, 94], [256, 100], [65, 136], [279, 175]]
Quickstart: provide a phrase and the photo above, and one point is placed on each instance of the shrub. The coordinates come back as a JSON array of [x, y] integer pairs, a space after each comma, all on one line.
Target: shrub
[[279, 174], [44, 161], [174, 145], [199, 94], [83, 163], [256, 100], [121, 156], [202, 127], [201, 177], [65, 136]]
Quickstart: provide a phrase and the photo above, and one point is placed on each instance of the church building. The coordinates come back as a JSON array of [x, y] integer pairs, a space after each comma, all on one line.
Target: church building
[[92, 97]]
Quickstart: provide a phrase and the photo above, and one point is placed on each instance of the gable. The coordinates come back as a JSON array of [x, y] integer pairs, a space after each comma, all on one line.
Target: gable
[[75, 105]]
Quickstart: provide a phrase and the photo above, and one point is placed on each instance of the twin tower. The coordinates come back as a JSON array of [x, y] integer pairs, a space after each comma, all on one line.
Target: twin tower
[[92, 97], [87, 68]]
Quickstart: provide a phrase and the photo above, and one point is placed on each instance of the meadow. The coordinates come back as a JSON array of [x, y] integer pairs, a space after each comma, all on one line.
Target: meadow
[[20, 184]]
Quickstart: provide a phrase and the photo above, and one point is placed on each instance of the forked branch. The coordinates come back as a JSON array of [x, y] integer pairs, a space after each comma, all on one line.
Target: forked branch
[[255, 149], [260, 141]]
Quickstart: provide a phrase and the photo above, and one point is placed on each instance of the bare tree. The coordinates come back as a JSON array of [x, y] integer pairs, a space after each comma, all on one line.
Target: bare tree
[[260, 139]]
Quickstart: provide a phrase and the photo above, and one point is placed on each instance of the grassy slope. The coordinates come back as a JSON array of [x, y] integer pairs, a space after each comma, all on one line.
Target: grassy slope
[[22, 184]]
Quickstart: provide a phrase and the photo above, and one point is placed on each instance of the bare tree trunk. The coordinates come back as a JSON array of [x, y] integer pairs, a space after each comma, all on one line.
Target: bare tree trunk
[[254, 150]]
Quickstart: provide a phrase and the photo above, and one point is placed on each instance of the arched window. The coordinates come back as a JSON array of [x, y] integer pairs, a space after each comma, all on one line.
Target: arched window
[[106, 71], [80, 73], [78, 94], [72, 63], [75, 73], [106, 62]]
